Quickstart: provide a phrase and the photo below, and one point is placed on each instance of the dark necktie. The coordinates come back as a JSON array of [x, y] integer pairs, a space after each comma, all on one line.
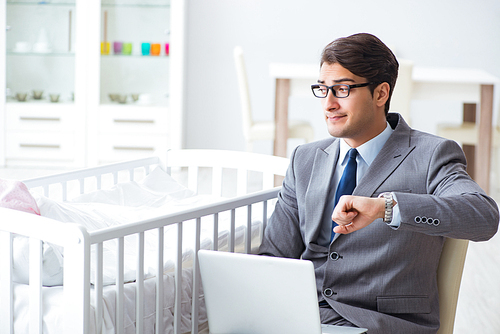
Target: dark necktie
[[347, 182]]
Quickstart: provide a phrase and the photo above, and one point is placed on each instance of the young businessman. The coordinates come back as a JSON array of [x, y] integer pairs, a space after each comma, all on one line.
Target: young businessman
[[376, 252]]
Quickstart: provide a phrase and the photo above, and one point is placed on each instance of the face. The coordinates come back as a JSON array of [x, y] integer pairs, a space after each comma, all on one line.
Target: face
[[358, 117]]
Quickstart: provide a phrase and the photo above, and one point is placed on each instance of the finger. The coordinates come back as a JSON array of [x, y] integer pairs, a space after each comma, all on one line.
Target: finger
[[344, 218], [345, 229]]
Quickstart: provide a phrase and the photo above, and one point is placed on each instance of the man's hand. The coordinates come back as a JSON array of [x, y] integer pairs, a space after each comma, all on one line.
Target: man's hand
[[352, 213]]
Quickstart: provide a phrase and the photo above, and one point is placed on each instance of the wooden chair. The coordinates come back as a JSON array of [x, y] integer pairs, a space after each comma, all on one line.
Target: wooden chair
[[262, 130], [400, 101], [449, 275]]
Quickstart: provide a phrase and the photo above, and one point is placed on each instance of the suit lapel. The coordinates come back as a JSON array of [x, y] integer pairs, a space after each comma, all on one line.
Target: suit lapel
[[319, 187], [395, 150]]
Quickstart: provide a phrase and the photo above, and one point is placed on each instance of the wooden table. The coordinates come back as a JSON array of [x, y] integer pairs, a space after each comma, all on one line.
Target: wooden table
[[465, 85]]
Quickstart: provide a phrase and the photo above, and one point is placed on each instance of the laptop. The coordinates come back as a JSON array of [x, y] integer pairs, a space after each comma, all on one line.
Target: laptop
[[252, 294]]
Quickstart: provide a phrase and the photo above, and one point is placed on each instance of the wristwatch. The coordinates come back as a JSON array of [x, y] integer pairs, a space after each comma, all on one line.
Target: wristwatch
[[389, 203]]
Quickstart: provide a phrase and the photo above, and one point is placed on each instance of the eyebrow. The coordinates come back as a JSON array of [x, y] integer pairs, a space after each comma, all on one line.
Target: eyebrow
[[337, 81]]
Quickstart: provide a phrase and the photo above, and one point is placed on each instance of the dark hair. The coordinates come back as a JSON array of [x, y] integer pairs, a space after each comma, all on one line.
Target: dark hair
[[365, 56]]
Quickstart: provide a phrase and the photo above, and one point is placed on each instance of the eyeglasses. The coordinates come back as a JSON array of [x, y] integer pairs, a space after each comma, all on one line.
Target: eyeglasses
[[340, 90]]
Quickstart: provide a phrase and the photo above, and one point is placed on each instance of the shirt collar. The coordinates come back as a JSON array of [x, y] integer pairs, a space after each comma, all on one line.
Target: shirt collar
[[369, 150]]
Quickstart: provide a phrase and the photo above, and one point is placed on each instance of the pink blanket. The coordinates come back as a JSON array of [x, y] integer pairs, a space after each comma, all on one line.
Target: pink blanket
[[15, 195]]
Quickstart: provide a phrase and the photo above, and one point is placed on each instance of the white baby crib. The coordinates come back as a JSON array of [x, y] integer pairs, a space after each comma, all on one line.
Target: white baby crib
[[164, 299]]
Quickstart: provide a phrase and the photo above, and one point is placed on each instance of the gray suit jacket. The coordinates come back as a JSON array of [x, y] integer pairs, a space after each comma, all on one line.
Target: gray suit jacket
[[382, 278]]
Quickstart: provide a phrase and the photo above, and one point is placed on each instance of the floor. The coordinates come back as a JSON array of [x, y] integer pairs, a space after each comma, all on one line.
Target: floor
[[479, 300]]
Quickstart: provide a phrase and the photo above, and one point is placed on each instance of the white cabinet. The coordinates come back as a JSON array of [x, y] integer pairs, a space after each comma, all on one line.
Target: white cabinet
[[86, 53]]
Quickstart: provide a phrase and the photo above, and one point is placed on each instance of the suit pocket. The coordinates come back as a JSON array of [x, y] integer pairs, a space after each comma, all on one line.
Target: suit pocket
[[377, 193], [403, 304]]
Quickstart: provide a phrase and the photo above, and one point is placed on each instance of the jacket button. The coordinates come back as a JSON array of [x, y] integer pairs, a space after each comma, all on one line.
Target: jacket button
[[328, 292], [335, 256]]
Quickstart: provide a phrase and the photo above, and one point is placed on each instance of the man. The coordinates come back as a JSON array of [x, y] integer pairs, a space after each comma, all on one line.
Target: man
[[378, 267]]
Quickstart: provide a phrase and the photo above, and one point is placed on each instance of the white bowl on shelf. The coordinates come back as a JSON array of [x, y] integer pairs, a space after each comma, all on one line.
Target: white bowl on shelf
[[41, 48], [22, 47]]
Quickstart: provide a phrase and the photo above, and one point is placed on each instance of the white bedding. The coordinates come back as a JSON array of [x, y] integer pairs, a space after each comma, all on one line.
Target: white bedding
[[156, 195]]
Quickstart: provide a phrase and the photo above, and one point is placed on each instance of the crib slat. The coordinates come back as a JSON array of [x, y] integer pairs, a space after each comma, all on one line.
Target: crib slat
[[6, 286], [215, 244], [99, 181], [120, 299], [217, 181], [64, 190], [159, 282], [193, 178], [232, 231], [82, 185], [35, 286], [196, 279], [248, 236], [139, 298], [98, 287], [178, 282], [241, 182], [264, 220]]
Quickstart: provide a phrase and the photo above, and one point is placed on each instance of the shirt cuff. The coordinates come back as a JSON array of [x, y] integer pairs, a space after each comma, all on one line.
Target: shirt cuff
[[396, 215]]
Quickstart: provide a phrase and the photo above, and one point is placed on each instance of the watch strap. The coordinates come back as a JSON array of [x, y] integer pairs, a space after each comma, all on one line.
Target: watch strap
[[388, 206]]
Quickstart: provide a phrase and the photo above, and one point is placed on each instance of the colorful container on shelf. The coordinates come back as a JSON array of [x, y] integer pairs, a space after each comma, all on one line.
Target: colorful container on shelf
[[105, 46], [125, 48], [155, 49], [145, 49], [117, 48]]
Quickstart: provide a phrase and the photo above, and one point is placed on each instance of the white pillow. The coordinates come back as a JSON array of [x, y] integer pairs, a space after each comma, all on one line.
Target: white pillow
[[154, 190]]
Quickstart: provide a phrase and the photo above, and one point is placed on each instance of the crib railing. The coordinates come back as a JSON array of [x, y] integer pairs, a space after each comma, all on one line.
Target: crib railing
[[77, 243]]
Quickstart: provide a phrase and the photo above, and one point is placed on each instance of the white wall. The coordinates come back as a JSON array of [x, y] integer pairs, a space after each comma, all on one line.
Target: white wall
[[448, 33]]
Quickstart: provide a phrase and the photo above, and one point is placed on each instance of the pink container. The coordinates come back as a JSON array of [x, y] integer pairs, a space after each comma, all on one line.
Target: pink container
[[117, 47]]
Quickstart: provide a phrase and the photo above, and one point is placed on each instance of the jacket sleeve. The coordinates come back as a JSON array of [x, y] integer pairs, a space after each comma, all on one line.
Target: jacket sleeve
[[454, 205]]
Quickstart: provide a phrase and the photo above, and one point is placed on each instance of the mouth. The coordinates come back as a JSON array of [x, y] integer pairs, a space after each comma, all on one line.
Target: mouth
[[335, 118]]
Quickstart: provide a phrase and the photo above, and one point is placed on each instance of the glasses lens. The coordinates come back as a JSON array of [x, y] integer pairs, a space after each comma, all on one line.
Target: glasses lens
[[341, 90], [319, 90]]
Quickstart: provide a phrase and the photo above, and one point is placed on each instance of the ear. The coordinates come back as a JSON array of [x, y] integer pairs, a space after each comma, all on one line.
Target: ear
[[381, 94]]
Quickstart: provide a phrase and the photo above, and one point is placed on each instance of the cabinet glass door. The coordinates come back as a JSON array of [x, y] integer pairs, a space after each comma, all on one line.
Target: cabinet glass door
[[135, 47], [40, 44]]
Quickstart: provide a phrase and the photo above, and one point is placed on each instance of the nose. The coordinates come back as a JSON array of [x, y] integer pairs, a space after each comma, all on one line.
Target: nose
[[330, 102]]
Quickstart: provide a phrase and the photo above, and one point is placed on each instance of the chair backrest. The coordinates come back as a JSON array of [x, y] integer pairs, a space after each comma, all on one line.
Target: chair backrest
[[401, 97], [244, 90], [449, 275]]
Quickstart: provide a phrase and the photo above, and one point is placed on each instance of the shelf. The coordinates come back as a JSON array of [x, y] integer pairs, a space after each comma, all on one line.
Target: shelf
[[41, 54], [134, 56], [37, 102], [73, 31], [135, 6], [135, 3], [104, 4], [41, 3]]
